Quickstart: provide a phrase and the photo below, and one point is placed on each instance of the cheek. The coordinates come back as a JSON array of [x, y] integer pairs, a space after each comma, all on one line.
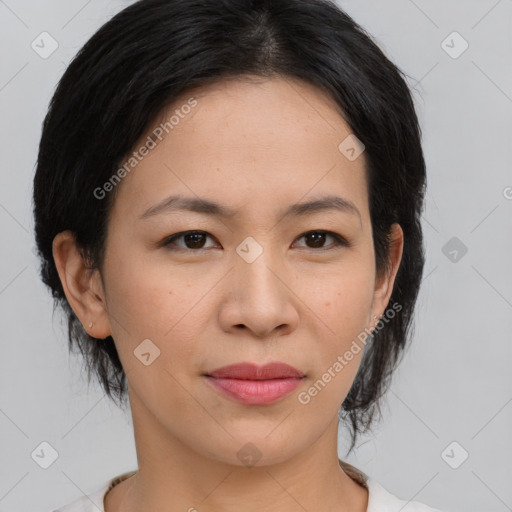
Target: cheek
[[149, 299], [340, 307], [147, 302], [342, 297], [338, 348]]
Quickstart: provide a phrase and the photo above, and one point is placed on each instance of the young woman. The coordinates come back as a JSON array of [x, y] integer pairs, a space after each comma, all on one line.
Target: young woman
[[227, 202]]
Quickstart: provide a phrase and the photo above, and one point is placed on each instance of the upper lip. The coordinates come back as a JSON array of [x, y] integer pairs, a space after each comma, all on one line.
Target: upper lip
[[251, 371]]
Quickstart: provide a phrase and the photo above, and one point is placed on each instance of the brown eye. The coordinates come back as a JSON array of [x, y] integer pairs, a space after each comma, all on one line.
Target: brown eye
[[194, 240], [316, 239]]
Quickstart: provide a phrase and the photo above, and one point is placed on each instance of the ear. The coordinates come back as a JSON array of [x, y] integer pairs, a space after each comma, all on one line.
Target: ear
[[82, 285], [384, 283]]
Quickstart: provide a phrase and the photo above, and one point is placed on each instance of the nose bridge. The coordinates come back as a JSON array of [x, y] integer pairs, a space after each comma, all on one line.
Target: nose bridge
[[257, 266]]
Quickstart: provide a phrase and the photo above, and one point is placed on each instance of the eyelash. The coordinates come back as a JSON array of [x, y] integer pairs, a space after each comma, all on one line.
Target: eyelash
[[339, 240]]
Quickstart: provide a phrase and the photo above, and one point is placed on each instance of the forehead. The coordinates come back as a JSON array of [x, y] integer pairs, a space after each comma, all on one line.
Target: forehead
[[246, 140]]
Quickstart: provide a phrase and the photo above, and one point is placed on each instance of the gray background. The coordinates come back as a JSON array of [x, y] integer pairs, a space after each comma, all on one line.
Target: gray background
[[455, 383]]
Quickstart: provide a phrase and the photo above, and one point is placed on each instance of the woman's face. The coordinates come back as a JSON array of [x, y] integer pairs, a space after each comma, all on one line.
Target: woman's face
[[254, 286]]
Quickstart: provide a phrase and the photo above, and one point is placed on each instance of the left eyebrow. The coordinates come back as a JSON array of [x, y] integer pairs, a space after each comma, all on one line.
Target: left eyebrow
[[207, 207]]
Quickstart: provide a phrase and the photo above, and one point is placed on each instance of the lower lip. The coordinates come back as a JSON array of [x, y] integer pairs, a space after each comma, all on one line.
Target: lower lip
[[257, 392]]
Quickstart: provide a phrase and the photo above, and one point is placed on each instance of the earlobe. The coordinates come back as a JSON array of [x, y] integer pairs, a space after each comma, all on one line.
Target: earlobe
[[82, 285], [384, 284]]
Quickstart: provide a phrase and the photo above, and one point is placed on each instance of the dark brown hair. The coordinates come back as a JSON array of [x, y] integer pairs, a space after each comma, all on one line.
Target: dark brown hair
[[136, 64]]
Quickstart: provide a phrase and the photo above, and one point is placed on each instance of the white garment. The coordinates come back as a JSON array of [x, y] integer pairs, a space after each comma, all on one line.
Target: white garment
[[379, 500]]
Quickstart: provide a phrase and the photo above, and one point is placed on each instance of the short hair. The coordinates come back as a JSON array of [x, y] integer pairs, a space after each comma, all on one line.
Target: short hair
[[138, 63]]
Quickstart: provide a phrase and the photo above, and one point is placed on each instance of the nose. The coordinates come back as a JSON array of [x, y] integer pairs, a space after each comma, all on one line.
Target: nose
[[259, 297]]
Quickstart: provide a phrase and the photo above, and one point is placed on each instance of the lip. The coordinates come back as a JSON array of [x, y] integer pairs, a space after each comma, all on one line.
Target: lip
[[258, 385], [251, 371]]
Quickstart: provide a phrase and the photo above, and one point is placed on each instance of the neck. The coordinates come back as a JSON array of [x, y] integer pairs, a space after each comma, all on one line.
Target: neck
[[173, 477]]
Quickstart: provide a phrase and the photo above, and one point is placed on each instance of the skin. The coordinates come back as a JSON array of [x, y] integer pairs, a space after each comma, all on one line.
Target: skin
[[255, 146]]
